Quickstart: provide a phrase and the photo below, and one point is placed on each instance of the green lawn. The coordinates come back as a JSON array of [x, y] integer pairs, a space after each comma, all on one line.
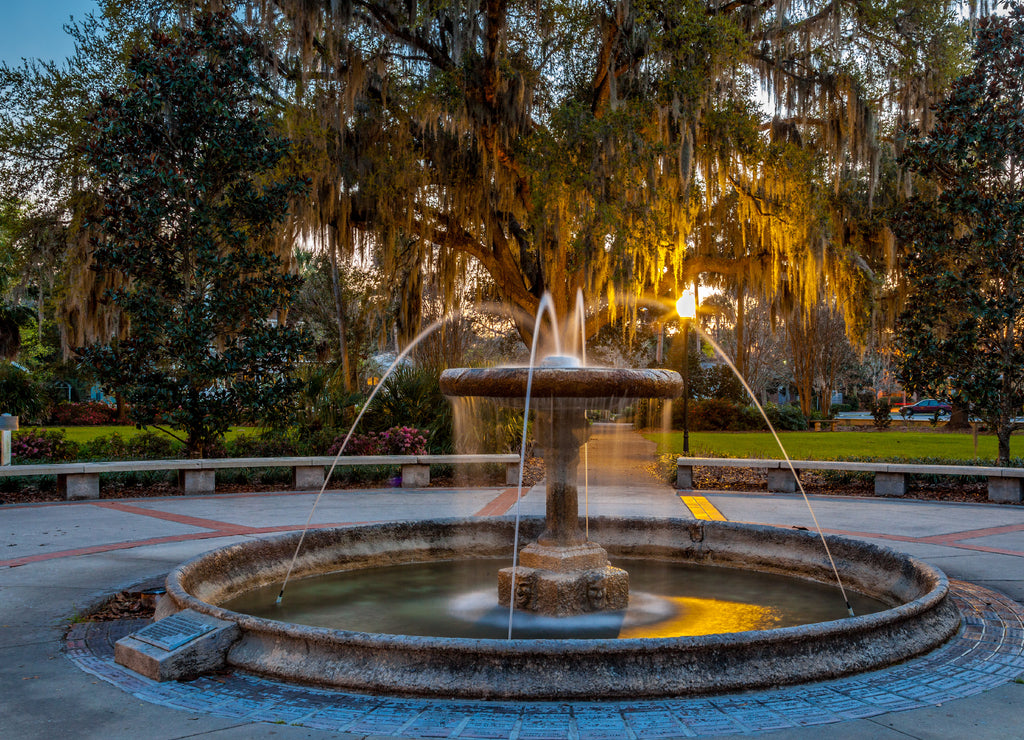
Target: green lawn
[[87, 434], [828, 445]]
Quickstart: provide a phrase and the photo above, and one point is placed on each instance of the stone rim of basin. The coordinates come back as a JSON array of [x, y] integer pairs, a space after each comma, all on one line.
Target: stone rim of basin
[[923, 616]]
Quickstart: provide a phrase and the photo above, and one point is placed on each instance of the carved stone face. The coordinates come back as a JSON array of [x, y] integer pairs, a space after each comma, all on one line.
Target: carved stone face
[[596, 595], [524, 593]]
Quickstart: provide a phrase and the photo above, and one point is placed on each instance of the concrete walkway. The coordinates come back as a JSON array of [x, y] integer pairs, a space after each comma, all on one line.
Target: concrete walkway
[[59, 559]]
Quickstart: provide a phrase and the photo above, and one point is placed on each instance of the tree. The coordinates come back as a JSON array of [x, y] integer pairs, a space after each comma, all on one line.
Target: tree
[[42, 168], [821, 354], [182, 160], [961, 334], [344, 307], [742, 326], [618, 146]]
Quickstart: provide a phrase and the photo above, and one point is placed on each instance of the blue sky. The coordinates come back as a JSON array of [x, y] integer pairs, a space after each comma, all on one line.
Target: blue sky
[[34, 28]]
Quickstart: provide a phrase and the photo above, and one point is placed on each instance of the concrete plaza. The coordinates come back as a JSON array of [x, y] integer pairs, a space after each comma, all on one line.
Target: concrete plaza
[[60, 559]]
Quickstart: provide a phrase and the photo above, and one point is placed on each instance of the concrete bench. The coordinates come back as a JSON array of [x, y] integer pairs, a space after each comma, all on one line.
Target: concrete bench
[[82, 480], [1004, 484]]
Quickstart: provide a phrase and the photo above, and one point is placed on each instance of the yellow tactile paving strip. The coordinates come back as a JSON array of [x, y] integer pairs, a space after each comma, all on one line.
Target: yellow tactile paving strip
[[701, 508]]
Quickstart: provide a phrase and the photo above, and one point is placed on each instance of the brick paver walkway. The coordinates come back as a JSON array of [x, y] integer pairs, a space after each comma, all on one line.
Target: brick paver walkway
[[988, 651]]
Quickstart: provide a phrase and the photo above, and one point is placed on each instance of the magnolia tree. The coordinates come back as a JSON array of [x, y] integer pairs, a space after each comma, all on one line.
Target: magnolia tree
[[181, 160], [961, 334]]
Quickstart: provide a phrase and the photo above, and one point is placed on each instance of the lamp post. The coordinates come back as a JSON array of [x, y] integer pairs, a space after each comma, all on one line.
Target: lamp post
[[686, 307]]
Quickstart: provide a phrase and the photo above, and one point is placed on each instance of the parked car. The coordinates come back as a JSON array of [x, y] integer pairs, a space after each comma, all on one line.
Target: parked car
[[926, 407]]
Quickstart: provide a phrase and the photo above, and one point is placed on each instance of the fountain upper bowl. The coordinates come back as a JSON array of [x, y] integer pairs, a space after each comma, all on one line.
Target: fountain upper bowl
[[561, 382]]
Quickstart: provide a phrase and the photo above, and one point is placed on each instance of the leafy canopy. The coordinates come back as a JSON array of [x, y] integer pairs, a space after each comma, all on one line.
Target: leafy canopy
[[961, 334], [182, 159], [618, 146]]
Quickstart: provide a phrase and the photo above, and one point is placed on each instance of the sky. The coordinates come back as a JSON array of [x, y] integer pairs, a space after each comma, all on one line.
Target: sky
[[34, 28]]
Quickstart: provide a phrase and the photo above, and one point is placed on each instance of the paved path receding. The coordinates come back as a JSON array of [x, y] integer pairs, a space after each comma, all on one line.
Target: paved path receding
[[57, 559]]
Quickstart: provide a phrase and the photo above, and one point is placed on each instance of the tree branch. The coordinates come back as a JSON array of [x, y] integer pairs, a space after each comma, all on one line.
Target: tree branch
[[416, 39]]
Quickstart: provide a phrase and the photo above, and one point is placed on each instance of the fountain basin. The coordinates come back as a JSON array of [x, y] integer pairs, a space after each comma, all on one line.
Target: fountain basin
[[922, 615]]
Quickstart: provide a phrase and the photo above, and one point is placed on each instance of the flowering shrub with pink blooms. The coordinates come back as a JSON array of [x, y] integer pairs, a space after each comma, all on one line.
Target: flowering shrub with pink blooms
[[393, 441], [40, 445], [87, 413]]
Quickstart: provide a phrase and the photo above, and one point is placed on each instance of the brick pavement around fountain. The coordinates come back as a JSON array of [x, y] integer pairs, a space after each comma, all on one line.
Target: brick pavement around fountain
[[59, 559], [987, 653]]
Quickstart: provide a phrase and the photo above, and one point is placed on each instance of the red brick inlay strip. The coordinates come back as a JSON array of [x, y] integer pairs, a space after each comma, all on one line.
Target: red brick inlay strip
[[970, 534], [192, 521], [227, 531], [953, 541], [502, 503], [106, 548]]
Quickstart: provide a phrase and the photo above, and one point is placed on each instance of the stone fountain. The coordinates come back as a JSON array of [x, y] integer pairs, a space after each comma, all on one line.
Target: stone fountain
[[562, 573]]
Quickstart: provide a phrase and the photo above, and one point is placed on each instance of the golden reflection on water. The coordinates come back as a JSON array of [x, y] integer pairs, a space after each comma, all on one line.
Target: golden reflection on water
[[707, 617]]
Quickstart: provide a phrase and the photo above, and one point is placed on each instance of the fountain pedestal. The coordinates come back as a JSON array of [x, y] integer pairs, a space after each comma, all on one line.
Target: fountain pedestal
[[562, 573], [589, 584]]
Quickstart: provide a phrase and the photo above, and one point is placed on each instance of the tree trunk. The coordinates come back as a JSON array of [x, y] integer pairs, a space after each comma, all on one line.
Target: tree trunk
[[410, 310], [803, 364], [958, 420], [1003, 435], [741, 339], [339, 312]]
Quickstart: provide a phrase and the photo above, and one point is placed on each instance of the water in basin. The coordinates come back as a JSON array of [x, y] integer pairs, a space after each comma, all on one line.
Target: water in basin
[[457, 599]]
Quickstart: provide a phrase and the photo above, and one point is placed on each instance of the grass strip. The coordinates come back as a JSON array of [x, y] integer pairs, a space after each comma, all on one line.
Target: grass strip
[[889, 445]]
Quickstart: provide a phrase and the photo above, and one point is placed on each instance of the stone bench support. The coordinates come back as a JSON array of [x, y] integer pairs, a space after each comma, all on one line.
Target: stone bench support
[[512, 474], [308, 477], [79, 487], [197, 481], [890, 484], [684, 477], [781, 480], [415, 476], [1003, 490]]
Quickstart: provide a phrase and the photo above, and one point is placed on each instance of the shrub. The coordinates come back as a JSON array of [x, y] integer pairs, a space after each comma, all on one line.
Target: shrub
[[43, 445], [403, 441], [881, 412], [22, 396], [394, 441], [314, 439], [786, 417], [412, 396], [720, 415], [267, 444], [86, 413], [145, 446], [153, 446], [717, 415], [719, 381]]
